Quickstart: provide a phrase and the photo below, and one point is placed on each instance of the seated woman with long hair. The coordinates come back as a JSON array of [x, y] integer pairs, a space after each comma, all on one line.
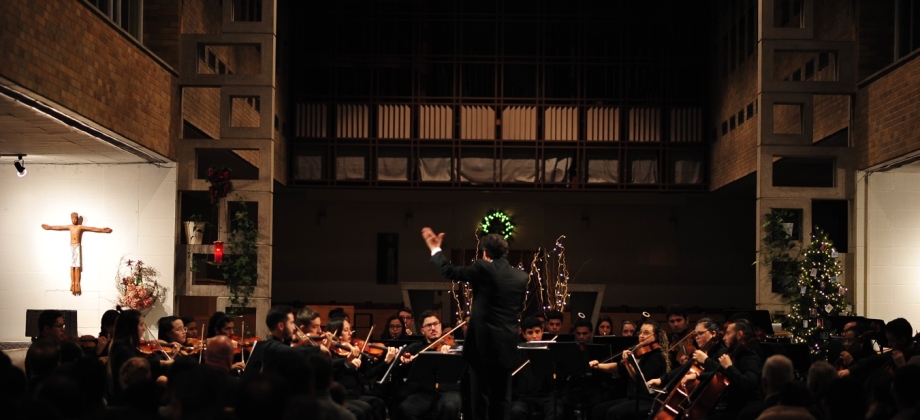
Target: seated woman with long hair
[[652, 363], [126, 340], [395, 329]]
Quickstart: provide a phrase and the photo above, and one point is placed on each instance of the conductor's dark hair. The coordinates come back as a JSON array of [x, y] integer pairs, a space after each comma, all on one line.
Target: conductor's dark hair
[[583, 323], [531, 322], [495, 246], [47, 319], [675, 310], [276, 314]]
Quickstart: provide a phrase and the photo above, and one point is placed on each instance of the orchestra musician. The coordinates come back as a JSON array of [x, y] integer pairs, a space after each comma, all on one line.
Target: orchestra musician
[[554, 320], [357, 372], [652, 360], [191, 327], [444, 402], [171, 334], [856, 344], [903, 347], [125, 344], [531, 393], [396, 329], [490, 346], [741, 365], [679, 325], [280, 322], [405, 314], [604, 326], [628, 329], [705, 331]]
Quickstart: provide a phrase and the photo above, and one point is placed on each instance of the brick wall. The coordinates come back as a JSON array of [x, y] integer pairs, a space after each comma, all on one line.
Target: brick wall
[[886, 123], [161, 30], [64, 51], [876, 36]]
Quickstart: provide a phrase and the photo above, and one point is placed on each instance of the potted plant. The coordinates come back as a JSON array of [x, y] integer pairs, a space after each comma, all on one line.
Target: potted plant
[[194, 229]]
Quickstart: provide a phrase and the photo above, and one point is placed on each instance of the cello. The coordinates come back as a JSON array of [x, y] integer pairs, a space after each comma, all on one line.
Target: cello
[[673, 406], [708, 393]]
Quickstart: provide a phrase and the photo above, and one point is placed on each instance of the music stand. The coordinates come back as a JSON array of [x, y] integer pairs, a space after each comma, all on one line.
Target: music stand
[[597, 352], [431, 368], [568, 359], [617, 344], [560, 338]]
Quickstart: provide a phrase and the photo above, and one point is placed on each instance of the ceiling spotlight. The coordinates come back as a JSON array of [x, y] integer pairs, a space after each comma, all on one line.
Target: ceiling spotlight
[[20, 167]]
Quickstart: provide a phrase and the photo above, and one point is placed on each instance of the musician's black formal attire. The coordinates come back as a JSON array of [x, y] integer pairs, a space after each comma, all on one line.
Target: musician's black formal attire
[[490, 346], [745, 387], [637, 403]]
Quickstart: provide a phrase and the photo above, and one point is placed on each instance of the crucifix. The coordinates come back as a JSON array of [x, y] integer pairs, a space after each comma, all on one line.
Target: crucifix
[[76, 253]]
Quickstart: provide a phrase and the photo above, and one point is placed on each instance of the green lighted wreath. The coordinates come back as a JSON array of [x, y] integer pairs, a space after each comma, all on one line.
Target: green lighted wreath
[[498, 222]]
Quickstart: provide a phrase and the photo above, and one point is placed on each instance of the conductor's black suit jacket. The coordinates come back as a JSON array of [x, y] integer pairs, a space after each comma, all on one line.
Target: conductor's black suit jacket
[[498, 299]]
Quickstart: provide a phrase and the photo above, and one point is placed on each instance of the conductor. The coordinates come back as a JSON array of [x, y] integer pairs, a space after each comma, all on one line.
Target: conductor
[[490, 346]]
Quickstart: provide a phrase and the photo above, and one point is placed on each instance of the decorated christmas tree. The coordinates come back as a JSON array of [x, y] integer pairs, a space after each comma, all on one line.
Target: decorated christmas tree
[[820, 294]]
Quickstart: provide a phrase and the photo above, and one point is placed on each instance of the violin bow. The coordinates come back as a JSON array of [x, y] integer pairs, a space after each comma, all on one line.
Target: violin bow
[[520, 367], [393, 363], [203, 342], [433, 343], [368, 339], [148, 334]]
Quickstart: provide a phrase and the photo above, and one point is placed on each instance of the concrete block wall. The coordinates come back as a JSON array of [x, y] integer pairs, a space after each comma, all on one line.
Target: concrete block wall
[[68, 53], [889, 272], [137, 201]]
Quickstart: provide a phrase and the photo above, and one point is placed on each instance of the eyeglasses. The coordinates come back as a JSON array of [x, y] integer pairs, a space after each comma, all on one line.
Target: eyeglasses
[[59, 326], [699, 333], [405, 317], [395, 326], [432, 325]]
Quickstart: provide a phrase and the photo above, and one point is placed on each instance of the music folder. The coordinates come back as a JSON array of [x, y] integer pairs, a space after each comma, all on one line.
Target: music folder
[[617, 344], [430, 369], [569, 359]]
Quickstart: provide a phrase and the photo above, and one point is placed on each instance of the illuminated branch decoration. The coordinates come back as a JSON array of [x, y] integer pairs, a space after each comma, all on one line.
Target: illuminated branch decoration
[[548, 286]]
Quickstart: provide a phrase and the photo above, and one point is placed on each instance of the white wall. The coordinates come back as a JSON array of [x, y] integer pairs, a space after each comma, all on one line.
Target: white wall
[[137, 201], [888, 238]]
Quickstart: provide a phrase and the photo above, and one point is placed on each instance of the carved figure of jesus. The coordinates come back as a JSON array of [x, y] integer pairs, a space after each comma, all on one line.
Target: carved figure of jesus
[[76, 252]]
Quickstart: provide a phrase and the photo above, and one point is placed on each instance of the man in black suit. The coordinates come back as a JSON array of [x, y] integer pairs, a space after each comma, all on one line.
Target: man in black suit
[[490, 346]]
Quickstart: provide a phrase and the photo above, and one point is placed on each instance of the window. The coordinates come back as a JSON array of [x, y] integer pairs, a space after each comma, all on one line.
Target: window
[[126, 14], [907, 27]]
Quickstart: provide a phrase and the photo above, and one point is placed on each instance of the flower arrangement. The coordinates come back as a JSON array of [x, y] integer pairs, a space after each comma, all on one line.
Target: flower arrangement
[[219, 178], [137, 285]]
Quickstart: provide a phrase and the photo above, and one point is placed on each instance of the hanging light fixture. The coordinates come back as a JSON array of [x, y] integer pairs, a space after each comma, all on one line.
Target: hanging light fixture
[[20, 167]]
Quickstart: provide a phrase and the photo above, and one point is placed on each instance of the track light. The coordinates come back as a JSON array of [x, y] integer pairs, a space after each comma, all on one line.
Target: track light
[[20, 167]]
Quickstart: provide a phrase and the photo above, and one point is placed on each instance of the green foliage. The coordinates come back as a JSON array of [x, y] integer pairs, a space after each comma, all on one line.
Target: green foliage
[[241, 269], [775, 251], [820, 294]]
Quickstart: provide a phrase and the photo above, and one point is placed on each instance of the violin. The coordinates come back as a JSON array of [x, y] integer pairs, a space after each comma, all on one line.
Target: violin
[[853, 348], [646, 349], [192, 347], [374, 350], [148, 348], [685, 346]]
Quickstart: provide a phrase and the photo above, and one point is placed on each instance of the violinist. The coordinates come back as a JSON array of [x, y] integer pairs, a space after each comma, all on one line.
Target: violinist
[[310, 323], [706, 329], [653, 361], [443, 402], [106, 329], [191, 326], [126, 343], [741, 365], [280, 322], [171, 334], [396, 329], [679, 326], [604, 326], [221, 324], [353, 376], [903, 347], [856, 344], [529, 392]]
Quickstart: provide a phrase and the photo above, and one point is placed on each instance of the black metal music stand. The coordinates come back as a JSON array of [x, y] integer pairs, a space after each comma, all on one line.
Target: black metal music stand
[[430, 369]]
